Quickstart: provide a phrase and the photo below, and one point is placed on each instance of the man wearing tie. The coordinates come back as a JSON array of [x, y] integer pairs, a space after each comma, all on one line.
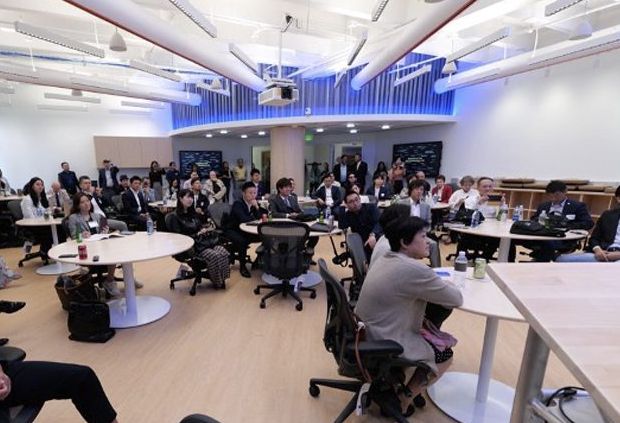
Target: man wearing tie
[[134, 204], [57, 197]]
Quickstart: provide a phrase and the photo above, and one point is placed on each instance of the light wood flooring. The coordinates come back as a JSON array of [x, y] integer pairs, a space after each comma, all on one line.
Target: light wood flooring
[[219, 354]]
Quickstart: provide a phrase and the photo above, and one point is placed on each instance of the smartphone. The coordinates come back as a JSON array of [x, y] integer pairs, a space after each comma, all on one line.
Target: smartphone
[[442, 274], [495, 197], [95, 258], [67, 256]]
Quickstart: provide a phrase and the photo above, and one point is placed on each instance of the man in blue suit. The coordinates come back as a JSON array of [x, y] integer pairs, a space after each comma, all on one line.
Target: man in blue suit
[[256, 179], [328, 195]]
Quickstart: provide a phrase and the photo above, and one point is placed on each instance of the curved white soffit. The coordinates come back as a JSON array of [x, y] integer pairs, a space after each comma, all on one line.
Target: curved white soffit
[[411, 36], [599, 42], [132, 18], [53, 78]]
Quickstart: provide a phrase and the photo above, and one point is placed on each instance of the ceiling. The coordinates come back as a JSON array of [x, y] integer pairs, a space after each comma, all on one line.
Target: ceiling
[[320, 38]]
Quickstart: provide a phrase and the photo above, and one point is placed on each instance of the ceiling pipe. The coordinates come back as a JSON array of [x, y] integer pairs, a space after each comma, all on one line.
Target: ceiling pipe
[[72, 81], [132, 18], [411, 37], [565, 51]]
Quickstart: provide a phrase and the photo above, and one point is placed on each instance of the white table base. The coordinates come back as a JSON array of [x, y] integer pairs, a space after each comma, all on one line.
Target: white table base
[[308, 280], [57, 269], [133, 311]]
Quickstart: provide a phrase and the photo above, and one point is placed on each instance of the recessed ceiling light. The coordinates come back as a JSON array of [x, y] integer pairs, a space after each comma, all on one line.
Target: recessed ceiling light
[[350, 125], [244, 136], [209, 135], [223, 132], [261, 133], [384, 127], [319, 130], [353, 131]]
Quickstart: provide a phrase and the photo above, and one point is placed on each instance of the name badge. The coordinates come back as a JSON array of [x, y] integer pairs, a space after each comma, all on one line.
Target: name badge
[[570, 217], [93, 225]]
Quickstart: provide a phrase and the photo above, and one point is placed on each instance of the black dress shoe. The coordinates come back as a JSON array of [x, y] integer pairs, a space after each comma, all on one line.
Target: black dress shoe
[[312, 263], [245, 272], [11, 306], [4, 341]]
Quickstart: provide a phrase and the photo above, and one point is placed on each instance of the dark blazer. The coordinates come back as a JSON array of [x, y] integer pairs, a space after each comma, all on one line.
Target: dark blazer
[[202, 202], [130, 206], [336, 195], [384, 192], [260, 190], [240, 214], [337, 172], [279, 208], [582, 219], [364, 222], [360, 172], [184, 223], [68, 181], [113, 173], [605, 230]]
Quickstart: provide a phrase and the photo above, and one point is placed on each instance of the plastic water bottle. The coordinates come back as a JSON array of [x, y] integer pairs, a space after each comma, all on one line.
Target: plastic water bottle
[[150, 227], [542, 218], [475, 219], [328, 212], [516, 214], [460, 270]]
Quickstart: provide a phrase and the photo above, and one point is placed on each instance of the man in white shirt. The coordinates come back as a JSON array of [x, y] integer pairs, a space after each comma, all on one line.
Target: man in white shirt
[[414, 201]]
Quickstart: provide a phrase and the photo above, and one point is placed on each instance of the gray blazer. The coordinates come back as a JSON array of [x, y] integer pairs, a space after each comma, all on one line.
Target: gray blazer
[[76, 221], [393, 301], [425, 209]]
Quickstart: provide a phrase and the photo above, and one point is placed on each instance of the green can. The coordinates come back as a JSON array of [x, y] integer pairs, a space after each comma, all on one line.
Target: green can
[[480, 268]]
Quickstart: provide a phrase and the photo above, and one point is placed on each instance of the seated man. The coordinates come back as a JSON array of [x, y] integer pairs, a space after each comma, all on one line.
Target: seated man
[[328, 195], [58, 198], [420, 176], [99, 202], [134, 204], [256, 179], [244, 210], [124, 184], [604, 244], [362, 219], [576, 215], [351, 184]]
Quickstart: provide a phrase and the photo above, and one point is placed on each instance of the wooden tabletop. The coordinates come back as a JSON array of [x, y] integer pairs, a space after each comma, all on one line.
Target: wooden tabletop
[[253, 229], [130, 248], [39, 221], [575, 309], [483, 297], [496, 229]]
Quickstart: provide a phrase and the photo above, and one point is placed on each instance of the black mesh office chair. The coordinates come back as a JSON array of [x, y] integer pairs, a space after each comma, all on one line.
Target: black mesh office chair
[[26, 413], [284, 257], [15, 209], [383, 372], [360, 264]]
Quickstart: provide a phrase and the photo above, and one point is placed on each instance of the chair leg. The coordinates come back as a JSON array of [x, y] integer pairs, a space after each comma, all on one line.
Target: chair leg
[[348, 409], [343, 385]]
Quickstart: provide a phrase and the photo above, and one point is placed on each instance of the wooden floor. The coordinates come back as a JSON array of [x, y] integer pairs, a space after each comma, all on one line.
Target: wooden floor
[[219, 354]]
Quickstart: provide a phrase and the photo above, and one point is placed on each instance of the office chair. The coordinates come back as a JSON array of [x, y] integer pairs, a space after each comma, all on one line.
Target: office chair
[[26, 413], [16, 211], [285, 257], [198, 418], [196, 263], [360, 265], [219, 212], [378, 373]]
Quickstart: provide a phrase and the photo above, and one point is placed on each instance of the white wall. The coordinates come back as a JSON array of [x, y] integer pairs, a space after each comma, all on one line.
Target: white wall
[[34, 142]]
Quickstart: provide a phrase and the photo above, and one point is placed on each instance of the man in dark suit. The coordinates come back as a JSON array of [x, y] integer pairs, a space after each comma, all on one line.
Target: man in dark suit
[[362, 219], [378, 188], [576, 215], [107, 179], [256, 178], [68, 179], [342, 169], [134, 204], [604, 244], [360, 168], [328, 195], [201, 201], [245, 209]]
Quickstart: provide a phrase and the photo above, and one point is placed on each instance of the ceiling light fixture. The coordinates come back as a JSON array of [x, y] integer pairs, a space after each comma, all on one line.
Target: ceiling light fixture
[[141, 104], [223, 132], [449, 68], [76, 93], [209, 135], [117, 42], [51, 37], [261, 133], [195, 16], [215, 86], [243, 58], [385, 127], [413, 75], [350, 125], [153, 70], [479, 45], [319, 130], [244, 136], [130, 112], [582, 31], [378, 10], [559, 5], [53, 107], [358, 47], [54, 96], [353, 131]]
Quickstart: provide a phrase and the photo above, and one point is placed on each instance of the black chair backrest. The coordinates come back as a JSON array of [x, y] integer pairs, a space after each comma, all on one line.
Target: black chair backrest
[[358, 256], [340, 323], [117, 201], [284, 244], [219, 211], [15, 208], [167, 221]]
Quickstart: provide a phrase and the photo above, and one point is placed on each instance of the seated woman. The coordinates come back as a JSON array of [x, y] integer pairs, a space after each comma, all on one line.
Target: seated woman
[[465, 195], [84, 221], [214, 188], [172, 191], [34, 205], [394, 296], [185, 220]]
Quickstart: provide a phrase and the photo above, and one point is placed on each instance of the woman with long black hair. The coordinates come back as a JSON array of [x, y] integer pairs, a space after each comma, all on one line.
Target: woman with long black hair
[[34, 205]]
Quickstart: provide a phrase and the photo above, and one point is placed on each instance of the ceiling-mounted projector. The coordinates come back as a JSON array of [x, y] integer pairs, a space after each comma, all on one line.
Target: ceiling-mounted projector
[[279, 92]]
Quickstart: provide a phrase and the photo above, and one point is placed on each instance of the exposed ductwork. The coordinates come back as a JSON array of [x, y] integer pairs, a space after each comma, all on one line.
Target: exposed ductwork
[[601, 41], [54, 78], [410, 37], [132, 18]]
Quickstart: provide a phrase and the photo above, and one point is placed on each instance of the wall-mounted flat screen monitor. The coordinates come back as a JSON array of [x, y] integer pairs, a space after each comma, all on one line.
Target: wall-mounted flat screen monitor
[[424, 156], [205, 160]]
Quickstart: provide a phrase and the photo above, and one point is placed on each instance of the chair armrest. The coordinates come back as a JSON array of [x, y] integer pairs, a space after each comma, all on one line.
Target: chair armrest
[[385, 348]]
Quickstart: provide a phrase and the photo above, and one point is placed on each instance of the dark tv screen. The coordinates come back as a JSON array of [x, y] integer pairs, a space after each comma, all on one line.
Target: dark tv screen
[[424, 156], [205, 160]]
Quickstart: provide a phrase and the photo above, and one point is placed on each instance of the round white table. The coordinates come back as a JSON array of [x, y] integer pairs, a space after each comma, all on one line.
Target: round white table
[[468, 397], [308, 279], [132, 310], [164, 206], [57, 268], [383, 204], [11, 197], [300, 200], [496, 229]]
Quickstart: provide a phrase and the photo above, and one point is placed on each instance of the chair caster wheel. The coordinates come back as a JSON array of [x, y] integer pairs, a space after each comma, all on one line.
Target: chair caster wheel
[[192, 292], [20, 264], [262, 305], [171, 286], [299, 307], [257, 291], [314, 391], [409, 411], [419, 401], [313, 295]]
